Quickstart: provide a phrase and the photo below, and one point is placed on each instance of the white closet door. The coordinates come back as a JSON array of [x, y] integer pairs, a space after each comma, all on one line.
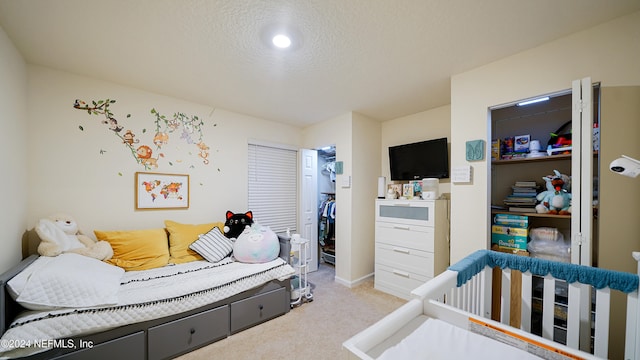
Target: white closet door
[[309, 203], [582, 190], [582, 172]]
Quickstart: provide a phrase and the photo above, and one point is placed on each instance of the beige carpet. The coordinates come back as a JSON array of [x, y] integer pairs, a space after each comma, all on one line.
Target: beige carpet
[[313, 330]]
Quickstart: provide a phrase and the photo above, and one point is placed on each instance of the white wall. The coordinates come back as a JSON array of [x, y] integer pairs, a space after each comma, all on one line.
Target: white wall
[[13, 151], [337, 131], [608, 53], [357, 140], [426, 125], [366, 170], [68, 173]]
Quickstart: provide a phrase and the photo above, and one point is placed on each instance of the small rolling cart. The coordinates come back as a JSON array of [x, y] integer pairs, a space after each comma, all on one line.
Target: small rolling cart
[[300, 286]]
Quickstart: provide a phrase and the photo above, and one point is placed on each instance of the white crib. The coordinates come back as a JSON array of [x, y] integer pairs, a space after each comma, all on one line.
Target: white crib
[[462, 296]]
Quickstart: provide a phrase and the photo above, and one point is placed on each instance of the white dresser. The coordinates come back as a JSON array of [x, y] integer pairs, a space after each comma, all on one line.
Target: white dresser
[[412, 243]]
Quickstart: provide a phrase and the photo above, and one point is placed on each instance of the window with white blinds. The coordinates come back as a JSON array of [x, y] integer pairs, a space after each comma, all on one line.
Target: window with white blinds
[[273, 179]]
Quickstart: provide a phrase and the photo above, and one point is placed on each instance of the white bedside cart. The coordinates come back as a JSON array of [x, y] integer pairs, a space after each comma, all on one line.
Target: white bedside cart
[[300, 286]]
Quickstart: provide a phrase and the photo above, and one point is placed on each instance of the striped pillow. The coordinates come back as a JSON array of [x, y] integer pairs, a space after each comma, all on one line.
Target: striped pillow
[[213, 246]]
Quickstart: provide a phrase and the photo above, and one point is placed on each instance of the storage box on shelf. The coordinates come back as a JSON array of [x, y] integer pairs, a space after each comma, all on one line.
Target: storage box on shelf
[[412, 243], [508, 237]]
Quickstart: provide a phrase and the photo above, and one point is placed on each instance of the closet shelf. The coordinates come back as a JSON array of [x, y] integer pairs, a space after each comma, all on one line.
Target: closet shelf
[[532, 214], [535, 159]]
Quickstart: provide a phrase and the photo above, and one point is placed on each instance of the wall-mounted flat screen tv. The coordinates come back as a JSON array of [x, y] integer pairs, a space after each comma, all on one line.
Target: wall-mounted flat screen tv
[[416, 161]]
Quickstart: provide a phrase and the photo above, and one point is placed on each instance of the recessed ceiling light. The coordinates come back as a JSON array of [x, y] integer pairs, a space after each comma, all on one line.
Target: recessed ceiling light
[[281, 41], [281, 38]]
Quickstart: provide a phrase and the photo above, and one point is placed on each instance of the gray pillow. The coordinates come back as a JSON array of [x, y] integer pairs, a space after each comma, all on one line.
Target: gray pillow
[[213, 246]]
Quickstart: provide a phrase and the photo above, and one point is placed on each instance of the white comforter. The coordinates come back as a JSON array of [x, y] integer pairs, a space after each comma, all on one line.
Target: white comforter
[[142, 296]]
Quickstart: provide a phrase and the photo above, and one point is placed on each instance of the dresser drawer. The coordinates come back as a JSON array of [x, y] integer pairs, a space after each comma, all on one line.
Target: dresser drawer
[[179, 336], [259, 308], [408, 236], [401, 258], [406, 212], [396, 281]]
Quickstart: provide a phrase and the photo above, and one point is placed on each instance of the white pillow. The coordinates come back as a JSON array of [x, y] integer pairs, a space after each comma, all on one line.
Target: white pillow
[[18, 282], [66, 280], [213, 246]]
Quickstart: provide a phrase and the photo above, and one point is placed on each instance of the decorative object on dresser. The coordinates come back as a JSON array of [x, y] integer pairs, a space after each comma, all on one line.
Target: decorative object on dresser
[[382, 185], [394, 191], [412, 244]]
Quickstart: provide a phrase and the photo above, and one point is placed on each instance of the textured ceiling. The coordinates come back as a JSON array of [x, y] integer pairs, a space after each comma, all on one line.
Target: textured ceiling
[[381, 58]]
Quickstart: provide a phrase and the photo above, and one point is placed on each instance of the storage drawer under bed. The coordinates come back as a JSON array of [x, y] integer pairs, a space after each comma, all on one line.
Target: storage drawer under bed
[[182, 335], [259, 308], [126, 347]]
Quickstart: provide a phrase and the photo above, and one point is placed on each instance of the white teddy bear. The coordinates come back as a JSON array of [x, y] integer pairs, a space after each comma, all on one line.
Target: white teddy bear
[[59, 234]]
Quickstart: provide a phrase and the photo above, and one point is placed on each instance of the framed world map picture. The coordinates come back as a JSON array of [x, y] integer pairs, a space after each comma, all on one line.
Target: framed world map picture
[[161, 191]]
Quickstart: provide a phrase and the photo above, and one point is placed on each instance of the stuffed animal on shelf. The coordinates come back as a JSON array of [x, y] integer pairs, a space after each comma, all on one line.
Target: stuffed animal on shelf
[[556, 199], [256, 244], [235, 224], [59, 234]]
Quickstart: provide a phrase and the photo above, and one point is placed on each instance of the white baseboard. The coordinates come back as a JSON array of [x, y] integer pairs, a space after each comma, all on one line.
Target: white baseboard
[[353, 283]]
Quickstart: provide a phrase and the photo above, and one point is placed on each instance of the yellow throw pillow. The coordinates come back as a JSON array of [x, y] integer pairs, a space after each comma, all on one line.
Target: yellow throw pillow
[[182, 235], [137, 249]]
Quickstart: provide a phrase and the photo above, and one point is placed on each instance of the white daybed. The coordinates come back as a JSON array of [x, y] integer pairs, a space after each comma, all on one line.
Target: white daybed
[[448, 317]]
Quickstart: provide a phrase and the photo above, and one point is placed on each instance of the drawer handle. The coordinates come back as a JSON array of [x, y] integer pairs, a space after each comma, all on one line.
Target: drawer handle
[[401, 273], [402, 250], [401, 227], [192, 331]]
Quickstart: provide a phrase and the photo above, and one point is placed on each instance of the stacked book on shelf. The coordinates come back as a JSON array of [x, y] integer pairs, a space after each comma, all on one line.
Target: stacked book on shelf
[[523, 197]]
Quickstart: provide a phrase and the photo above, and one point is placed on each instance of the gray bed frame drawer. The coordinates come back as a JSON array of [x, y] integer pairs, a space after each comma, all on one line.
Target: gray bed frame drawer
[[127, 347], [259, 308], [183, 335]]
